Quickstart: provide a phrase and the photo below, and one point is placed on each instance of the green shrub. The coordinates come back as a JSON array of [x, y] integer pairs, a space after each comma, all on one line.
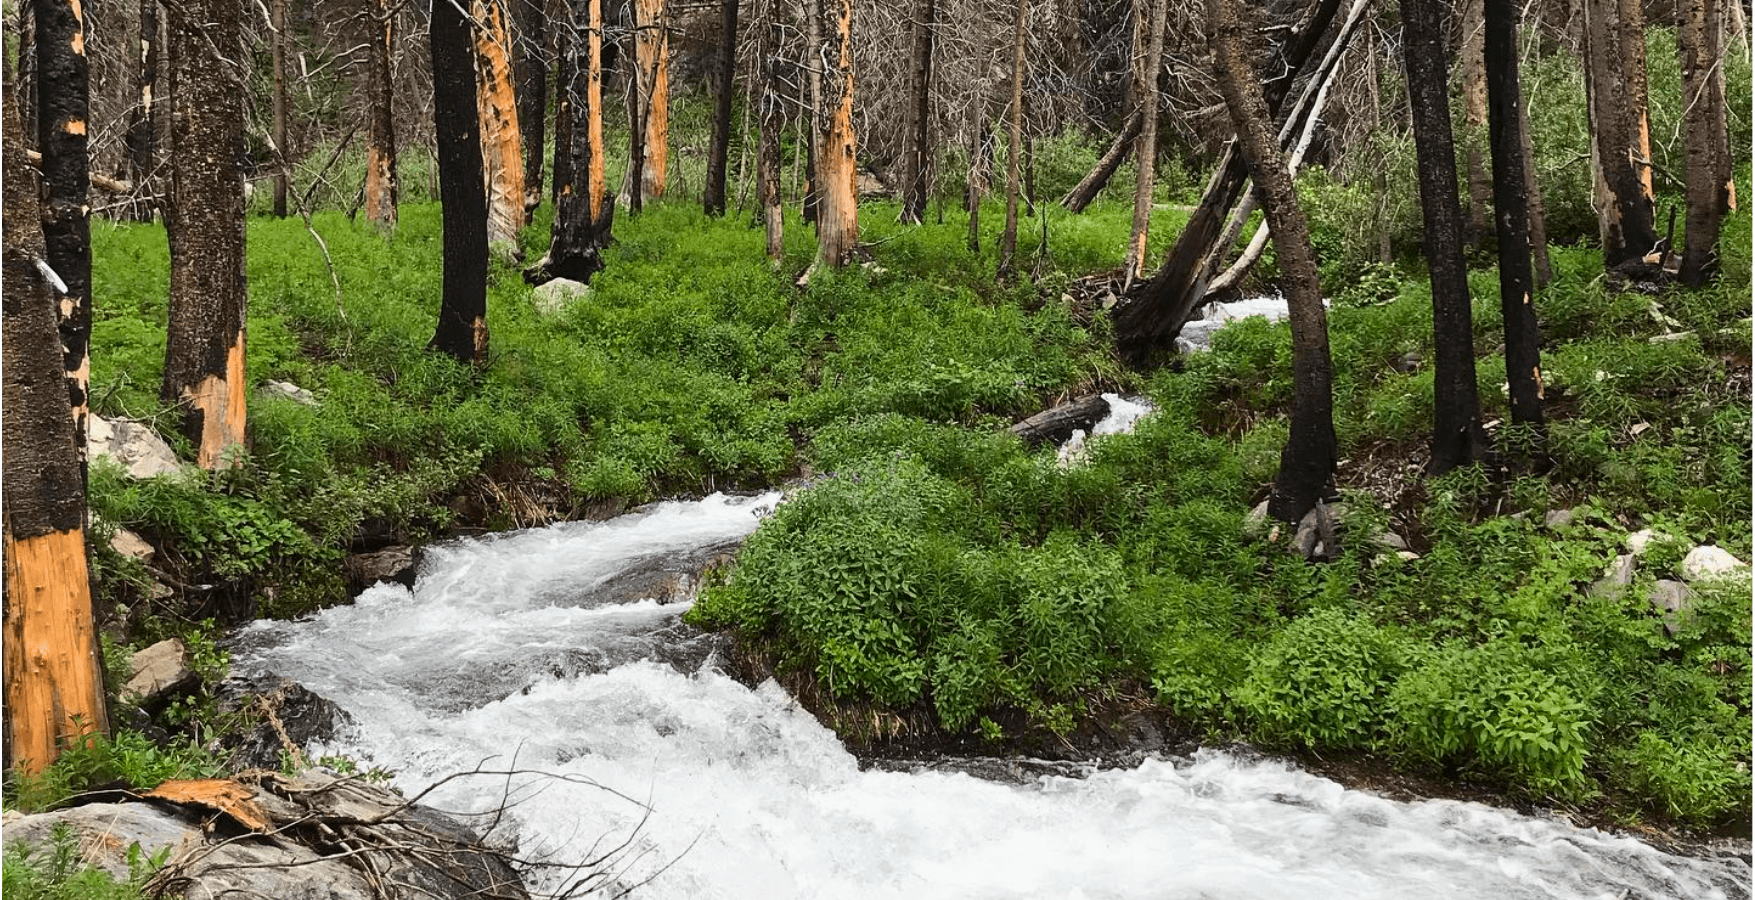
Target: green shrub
[[59, 872], [129, 757], [1323, 682]]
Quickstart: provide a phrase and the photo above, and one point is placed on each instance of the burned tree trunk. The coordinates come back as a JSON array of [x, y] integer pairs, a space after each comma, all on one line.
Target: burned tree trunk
[[1058, 424], [1080, 197], [141, 140], [54, 687], [277, 54], [532, 24], [1457, 436], [713, 194], [1707, 148], [501, 143], [462, 329], [773, 121], [1523, 364], [63, 102], [1308, 461], [1474, 98], [917, 130], [381, 186], [584, 214], [1153, 317], [1614, 47], [204, 346], [837, 170], [566, 48], [1146, 155], [1008, 238]]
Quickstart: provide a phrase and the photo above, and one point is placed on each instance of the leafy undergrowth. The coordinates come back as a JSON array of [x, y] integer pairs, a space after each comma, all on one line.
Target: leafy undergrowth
[[941, 573]]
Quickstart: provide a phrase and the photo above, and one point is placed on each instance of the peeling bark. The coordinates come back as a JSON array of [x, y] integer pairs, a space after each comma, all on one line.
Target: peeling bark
[[501, 142], [63, 106], [837, 170], [382, 190], [1614, 54]]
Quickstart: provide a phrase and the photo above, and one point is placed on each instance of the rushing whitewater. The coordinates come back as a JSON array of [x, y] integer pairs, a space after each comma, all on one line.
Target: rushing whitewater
[[507, 655]]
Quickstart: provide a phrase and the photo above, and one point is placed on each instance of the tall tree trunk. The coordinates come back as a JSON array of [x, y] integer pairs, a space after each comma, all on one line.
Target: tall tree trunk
[[1544, 269], [837, 160], [980, 156], [1308, 461], [1080, 197], [26, 95], [1457, 436], [63, 102], [1474, 97], [502, 145], [204, 347], [277, 53], [1707, 147], [1523, 363], [1008, 239], [141, 140], [1625, 216], [566, 49], [381, 179], [652, 114], [773, 113], [584, 214], [1154, 317], [54, 687], [917, 158], [1146, 156], [713, 194], [462, 330], [814, 55], [532, 24]]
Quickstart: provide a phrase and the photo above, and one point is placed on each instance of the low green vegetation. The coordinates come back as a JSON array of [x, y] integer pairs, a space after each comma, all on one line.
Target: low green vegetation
[[58, 872]]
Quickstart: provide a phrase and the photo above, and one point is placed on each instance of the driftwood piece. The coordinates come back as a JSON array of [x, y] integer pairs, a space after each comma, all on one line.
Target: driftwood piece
[[1057, 424]]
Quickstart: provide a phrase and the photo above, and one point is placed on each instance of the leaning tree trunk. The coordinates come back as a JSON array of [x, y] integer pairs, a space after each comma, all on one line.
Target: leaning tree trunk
[[713, 194], [1008, 238], [1708, 154], [837, 169], [1625, 218], [63, 102], [502, 145], [532, 23], [277, 55], [917, 158], [773, 121], [1308, 461], [1523, 363], [381, 180], [584, 214], [54, 686], [141, 140], [1080, 197], [1152, 319], [1146, 88], [204, 346], [462, 330], [1457, 436]]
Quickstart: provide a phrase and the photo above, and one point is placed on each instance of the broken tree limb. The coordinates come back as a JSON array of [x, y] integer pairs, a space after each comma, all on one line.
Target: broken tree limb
[[101, 182], [1093, 183], [1058, 424]]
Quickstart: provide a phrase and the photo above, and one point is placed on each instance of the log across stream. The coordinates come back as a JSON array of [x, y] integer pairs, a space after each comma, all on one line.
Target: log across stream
[[523, 651]]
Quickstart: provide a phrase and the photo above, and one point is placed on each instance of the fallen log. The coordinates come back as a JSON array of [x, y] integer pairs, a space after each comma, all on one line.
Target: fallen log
[[1058, 424]]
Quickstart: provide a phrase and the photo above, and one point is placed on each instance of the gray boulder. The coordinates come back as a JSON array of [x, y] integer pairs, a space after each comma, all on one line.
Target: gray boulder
[[141, 451], [289, 391], [1707, 561], [288, 718], [1672, 599], [553, 297], [395, 564], [159, 671]]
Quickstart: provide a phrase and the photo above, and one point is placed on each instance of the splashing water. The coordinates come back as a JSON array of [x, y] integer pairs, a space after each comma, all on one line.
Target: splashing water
[[508, 651]]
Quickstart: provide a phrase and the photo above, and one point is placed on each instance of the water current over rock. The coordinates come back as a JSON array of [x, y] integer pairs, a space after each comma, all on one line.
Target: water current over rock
[[522, 651]]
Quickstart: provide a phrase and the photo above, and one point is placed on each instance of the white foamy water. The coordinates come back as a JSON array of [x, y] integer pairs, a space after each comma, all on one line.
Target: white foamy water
[[506, 653], [1197, 334], [1124, 413]]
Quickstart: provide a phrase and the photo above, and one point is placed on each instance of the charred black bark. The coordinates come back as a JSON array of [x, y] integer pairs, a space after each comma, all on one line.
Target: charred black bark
[[462, 328], [1307, 463], [566, 47], [917, 130], [141, 141], [1457, 436], [1098, 178], [532, 43], [1707, 147], [63, 102], [1523, 363], [584, 212], [713, 195]]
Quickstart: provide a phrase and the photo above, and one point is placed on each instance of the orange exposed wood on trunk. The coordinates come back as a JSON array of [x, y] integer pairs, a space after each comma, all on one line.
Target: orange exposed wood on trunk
[[220, 401], [501, 143], [220, 794], [652, 52], [837, 169], [54, 685], [596, 185]]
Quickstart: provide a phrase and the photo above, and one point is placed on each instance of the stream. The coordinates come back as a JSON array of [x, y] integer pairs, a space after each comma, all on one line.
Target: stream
[[526, 651]]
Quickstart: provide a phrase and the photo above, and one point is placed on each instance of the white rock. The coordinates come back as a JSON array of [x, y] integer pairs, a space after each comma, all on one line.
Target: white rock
[[290, 391], [1557, 519], [140, 451], [1710, 562], [132, 545], [1407, 555], [551, 297], [1639, 540]]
